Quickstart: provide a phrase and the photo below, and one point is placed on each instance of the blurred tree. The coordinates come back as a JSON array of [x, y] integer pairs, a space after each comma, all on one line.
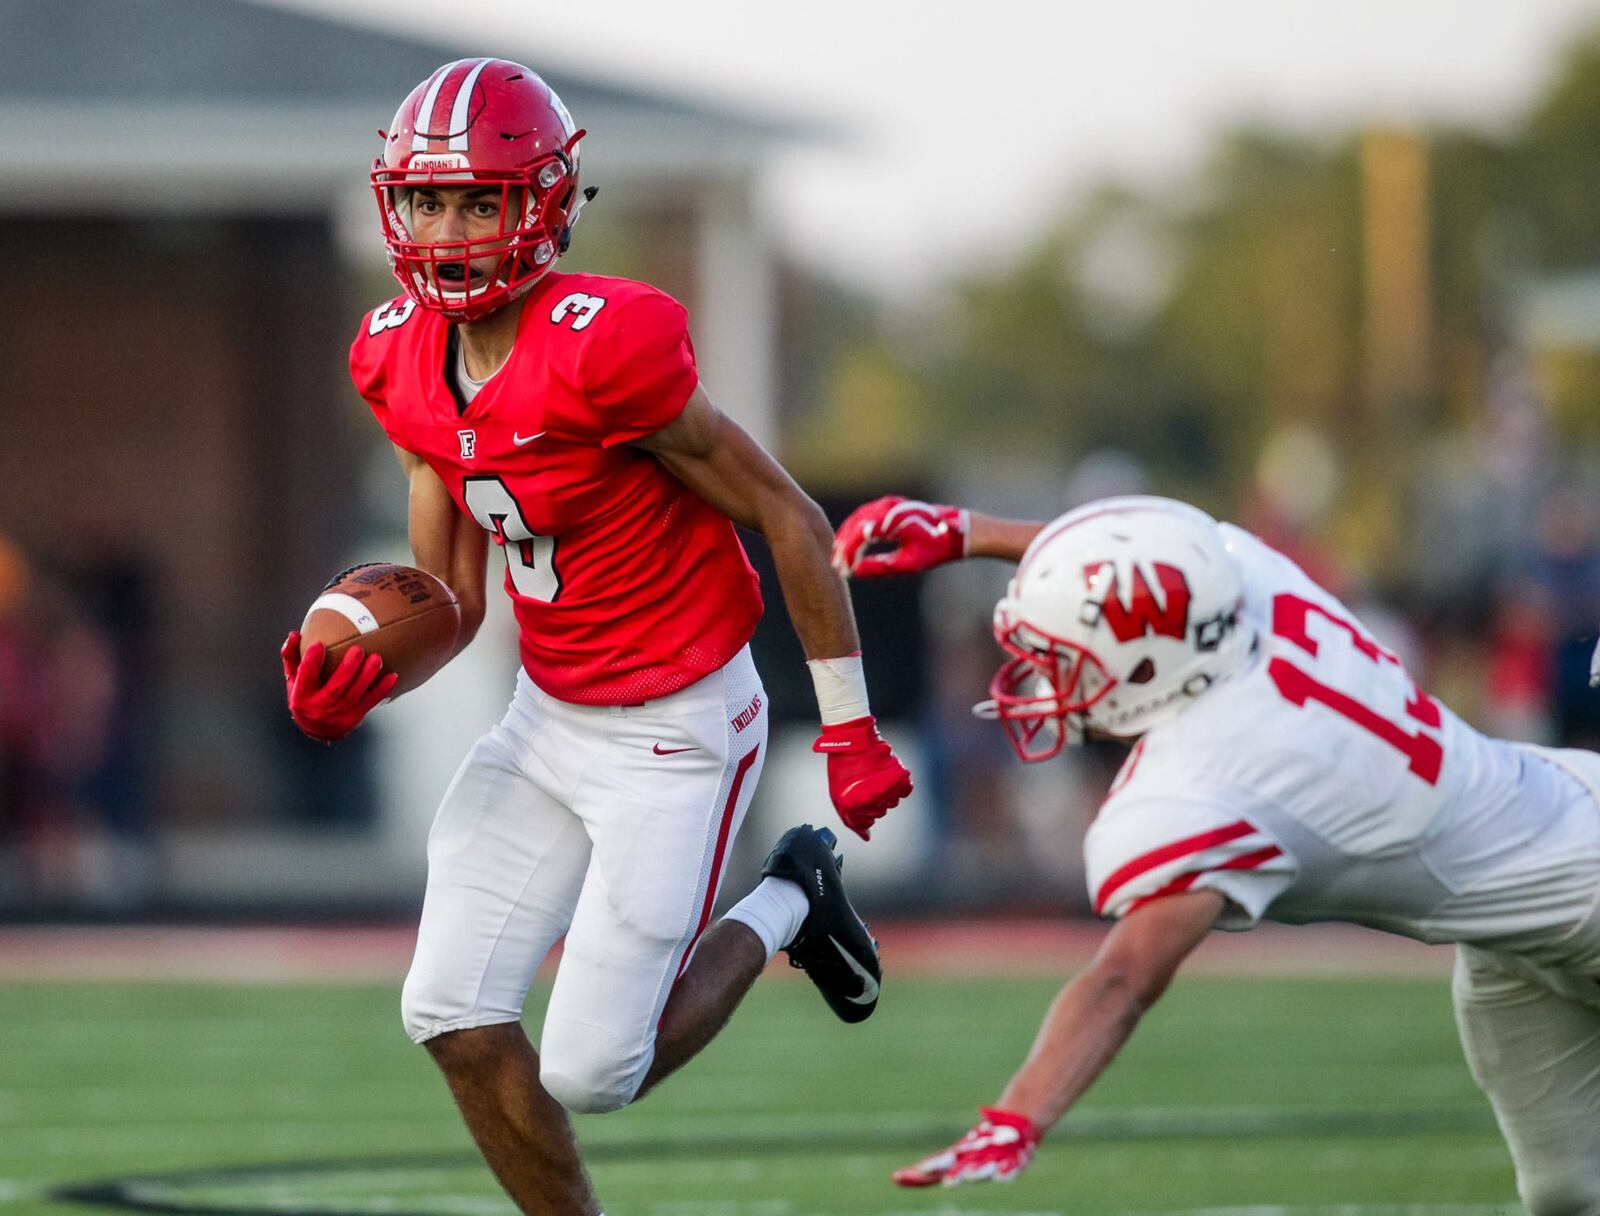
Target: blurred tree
[[1362, 289], [1558, 160]]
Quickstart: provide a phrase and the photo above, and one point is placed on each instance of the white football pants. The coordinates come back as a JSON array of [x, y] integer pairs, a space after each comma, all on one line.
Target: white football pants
[[1535, 1050], [609, 824]]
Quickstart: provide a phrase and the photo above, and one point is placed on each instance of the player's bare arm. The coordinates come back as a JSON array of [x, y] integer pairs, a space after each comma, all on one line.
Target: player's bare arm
[[1096, 1011], [896, 535], [1088, 1023], [717, 459], [999, 537], [446, 543]]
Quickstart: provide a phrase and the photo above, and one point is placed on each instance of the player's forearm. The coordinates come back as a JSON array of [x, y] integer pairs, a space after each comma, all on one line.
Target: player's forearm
[[818, 603], [470, 623], [466, 578], [995, 536], [450, 547], [1087, 1025]]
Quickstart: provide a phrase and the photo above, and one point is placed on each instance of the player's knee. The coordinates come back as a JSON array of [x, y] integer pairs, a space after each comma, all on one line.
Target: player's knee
[[587, 1070], [1574, 1192], [429, 1009], [421, 1012], [596, 1091]]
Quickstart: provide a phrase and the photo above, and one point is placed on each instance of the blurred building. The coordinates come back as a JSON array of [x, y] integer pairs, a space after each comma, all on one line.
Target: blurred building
[[191, 243]]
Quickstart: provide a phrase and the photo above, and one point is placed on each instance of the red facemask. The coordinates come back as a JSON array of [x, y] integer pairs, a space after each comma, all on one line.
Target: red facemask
[[1047, 684], [480, 122]]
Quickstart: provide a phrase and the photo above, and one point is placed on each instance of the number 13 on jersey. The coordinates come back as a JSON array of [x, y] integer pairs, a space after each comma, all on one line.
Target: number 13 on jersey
[[530, 558], [1291, 615]]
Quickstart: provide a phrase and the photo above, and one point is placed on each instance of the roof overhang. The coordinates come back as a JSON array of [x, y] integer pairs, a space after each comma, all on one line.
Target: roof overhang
[[260, 158]]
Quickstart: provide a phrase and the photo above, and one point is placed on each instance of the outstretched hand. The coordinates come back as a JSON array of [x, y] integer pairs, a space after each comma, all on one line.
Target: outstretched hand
[[896, 535], [996, 1150]]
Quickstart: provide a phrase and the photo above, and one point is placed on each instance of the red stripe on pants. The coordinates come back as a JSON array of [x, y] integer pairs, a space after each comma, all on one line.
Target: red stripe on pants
[[724, 833]]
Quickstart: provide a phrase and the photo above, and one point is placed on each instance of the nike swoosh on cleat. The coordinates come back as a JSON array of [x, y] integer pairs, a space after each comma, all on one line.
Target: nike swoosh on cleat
[[671, 751], [869, 986]]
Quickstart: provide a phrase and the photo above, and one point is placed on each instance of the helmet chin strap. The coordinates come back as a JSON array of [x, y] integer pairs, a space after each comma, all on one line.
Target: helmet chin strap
[[585, 196]]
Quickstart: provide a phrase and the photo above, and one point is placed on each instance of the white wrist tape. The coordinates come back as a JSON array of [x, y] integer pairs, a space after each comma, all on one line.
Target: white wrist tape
[[841, 688]]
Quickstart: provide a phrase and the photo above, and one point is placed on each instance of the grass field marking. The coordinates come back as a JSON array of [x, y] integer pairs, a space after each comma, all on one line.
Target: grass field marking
[[14, 1190], [1341, 1209], [99, 1104], [302, 1187], [274, 1135], [947, 1211], [750, 1133]]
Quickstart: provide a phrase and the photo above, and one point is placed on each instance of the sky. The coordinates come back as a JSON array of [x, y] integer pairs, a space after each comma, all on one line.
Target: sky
[[968, 127]]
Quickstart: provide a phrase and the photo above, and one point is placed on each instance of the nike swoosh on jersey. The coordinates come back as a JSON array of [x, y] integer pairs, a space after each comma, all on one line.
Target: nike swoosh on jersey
[[869, 986], [671, 751], [523, 440]]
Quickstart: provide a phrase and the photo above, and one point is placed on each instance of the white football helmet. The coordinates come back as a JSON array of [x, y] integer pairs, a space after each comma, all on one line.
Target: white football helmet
[[1121, 613]]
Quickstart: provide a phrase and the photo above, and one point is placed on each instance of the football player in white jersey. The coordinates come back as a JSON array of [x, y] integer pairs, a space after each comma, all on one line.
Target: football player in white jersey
[[1283, 765]]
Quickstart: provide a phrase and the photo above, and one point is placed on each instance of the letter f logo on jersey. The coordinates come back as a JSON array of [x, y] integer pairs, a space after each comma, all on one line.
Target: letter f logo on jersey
[[1141, 614]]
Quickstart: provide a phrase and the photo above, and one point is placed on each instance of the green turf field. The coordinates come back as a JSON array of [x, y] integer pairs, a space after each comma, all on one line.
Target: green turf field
[[1255, 1097]]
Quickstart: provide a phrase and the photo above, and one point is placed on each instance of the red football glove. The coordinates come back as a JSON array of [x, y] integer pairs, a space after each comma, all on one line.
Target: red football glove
[[865, 778], [923, 535], [996, 1150], [331, 710]]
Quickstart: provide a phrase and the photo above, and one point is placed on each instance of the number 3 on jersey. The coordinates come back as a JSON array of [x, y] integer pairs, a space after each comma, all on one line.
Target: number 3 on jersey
[[530, 558], [1290, 617]]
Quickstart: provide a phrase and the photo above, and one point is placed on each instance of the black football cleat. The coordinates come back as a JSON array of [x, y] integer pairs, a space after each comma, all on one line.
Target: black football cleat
[[833, 947]]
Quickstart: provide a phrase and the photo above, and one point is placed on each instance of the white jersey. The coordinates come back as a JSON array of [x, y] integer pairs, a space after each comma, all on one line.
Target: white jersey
[[1319, 783]]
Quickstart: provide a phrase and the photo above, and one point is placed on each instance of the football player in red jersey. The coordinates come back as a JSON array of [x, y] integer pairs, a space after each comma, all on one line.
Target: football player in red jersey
[[561, 416]]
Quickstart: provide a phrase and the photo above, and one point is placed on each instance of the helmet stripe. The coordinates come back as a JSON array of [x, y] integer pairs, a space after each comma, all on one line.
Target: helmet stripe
[[424, 122], [458, 113]]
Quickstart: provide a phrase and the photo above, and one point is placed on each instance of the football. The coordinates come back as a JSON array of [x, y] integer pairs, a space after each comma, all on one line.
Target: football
[[406, 615]]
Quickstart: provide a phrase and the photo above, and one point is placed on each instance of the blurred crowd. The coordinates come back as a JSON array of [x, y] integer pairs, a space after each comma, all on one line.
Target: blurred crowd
[[75, 699], [1492, 600]]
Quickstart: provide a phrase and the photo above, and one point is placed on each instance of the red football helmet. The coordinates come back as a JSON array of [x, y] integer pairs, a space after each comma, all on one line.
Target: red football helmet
[[480, 122]]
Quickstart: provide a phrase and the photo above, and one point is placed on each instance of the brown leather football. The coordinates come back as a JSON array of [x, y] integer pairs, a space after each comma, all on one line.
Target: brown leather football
[[406, 615]]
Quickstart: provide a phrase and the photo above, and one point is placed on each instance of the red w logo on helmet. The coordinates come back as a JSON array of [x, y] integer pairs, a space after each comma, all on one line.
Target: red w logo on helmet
[[1142, 615]]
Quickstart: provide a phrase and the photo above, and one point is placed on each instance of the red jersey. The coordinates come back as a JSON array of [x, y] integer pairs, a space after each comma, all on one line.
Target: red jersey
[[627, 586]]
